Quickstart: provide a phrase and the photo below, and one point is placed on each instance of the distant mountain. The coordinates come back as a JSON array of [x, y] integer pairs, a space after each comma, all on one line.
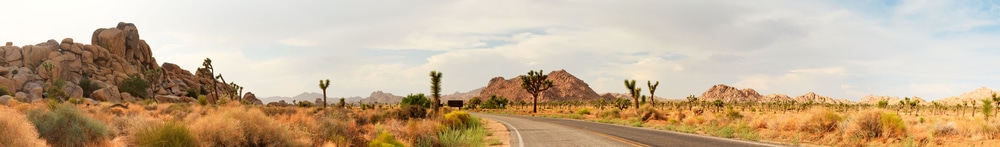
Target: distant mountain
[[819, 99], [382, 97], [974, 95], [730, 94], [310, 96], [462, 96], [893, 100]]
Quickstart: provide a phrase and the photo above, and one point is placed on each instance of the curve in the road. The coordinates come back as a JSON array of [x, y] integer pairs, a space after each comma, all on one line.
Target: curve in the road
[[616, 134]]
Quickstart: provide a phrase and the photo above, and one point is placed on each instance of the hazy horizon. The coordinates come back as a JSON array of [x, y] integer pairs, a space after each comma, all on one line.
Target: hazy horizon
[[841, 49]]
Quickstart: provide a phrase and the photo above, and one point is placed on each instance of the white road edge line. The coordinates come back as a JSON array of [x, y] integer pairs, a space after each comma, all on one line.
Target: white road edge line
[[520, 141]]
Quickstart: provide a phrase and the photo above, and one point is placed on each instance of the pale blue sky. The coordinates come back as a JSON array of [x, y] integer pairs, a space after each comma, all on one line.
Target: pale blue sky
[[845, 49]]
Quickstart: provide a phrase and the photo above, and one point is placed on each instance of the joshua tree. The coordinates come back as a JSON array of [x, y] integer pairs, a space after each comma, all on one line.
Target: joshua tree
[[207, 65], [155, 77], [535, 83], [48, 66], [341, 103], [996, 101], [652, 91], [630, 85], [323, 85], [435, 89], [691, 99], [987, 108]]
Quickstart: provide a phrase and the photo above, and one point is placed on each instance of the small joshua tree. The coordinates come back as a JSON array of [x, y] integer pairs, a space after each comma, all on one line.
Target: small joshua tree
[[323, 85], [535, 83], [634, 91], [435, 90], [652, 91]]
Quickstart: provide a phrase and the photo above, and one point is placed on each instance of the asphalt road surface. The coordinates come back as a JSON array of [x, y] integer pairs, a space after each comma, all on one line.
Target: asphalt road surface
[[551, 132]]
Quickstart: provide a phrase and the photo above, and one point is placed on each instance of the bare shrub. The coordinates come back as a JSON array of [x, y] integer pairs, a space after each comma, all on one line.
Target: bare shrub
[[241, 127], [821, 120], [868, 124], [941, 129]]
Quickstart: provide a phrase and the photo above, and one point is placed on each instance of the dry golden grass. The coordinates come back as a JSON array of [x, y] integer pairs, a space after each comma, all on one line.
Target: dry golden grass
[[17, 131]]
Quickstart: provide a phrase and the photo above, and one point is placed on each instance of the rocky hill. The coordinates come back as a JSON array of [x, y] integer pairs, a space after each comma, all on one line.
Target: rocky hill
[[730, 94], [565, 87], [974, 95], [113, 55], [382, 97], [776, 98], [819, 99], [893, 100]]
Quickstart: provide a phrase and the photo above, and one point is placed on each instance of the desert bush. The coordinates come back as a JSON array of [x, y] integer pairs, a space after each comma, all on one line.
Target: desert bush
[[583, 111], [893, 125], [192, 92], [733, 114], [416, 100], [472, 136], [474, 102], [87, 86], [333, 128], [611, 113], [385, 139], [134, 85], [411, 111], [647, 112], [202, 100], [869, 124], [821, 120], [241, 127], [17, 130], [941, 129], [64, 125], [459, 119], [304, 104], [55, 90], [4, 91], [990, 130], [171, 134]]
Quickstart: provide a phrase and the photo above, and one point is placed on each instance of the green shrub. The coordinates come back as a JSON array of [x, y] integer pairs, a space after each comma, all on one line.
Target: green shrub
[[134, 85], [17, 130], [64, 125], [202, 100], [165, 135], [55, 90], [303, 104], [869, 124], [495, 102], [472, 136], [459, 119], [3, 91], [583, 111], [385, 139], [725, 131], [87, 86], [733, 114], [893, 125], [193, 92], [416, 100], [611, 113], [474, 102]]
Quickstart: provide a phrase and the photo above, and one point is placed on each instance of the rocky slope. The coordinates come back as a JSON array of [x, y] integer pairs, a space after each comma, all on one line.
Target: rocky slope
[[730, 94], [462, 95], [974, 95], [893, 100], [565, 87], [113, 55]]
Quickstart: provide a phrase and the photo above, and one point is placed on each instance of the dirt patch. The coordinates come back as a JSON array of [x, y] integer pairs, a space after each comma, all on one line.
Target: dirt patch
[[499, 135]]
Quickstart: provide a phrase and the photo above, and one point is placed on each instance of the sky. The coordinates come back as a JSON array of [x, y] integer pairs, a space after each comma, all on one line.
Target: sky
[[843, 49]]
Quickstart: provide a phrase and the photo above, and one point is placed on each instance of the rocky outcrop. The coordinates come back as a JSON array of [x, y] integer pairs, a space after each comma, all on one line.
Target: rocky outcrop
[[379, 97], [730, 94], [565, 86], [892, 100], [115, 54], [819, 99], [251, 98], [776, 98], [974, 95]]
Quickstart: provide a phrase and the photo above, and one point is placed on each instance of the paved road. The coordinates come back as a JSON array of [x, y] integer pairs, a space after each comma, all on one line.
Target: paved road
[[551, 132]]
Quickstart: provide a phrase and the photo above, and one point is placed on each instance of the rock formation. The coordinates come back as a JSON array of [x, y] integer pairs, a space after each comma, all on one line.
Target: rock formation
[[250, 97], [819, 99], [892, 100], [113, 55], [776, 98], [975, 95], [462, 96], [730, 94], [565, 86]]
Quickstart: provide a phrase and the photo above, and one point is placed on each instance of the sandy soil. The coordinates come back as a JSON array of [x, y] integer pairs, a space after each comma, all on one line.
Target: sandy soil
[[499, 132]]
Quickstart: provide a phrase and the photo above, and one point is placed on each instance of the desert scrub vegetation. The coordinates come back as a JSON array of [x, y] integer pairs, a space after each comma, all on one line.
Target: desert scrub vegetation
[[17, 130], [65, 125], [171, 134], [241, 127]]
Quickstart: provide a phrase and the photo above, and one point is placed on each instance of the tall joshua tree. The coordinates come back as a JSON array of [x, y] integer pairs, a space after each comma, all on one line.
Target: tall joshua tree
[[634, 91], [435, 89], [652, 91], [535, 83], [323, 85]]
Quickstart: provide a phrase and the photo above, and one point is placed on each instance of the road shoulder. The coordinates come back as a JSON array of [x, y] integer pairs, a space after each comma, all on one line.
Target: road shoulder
[[497, 131]]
